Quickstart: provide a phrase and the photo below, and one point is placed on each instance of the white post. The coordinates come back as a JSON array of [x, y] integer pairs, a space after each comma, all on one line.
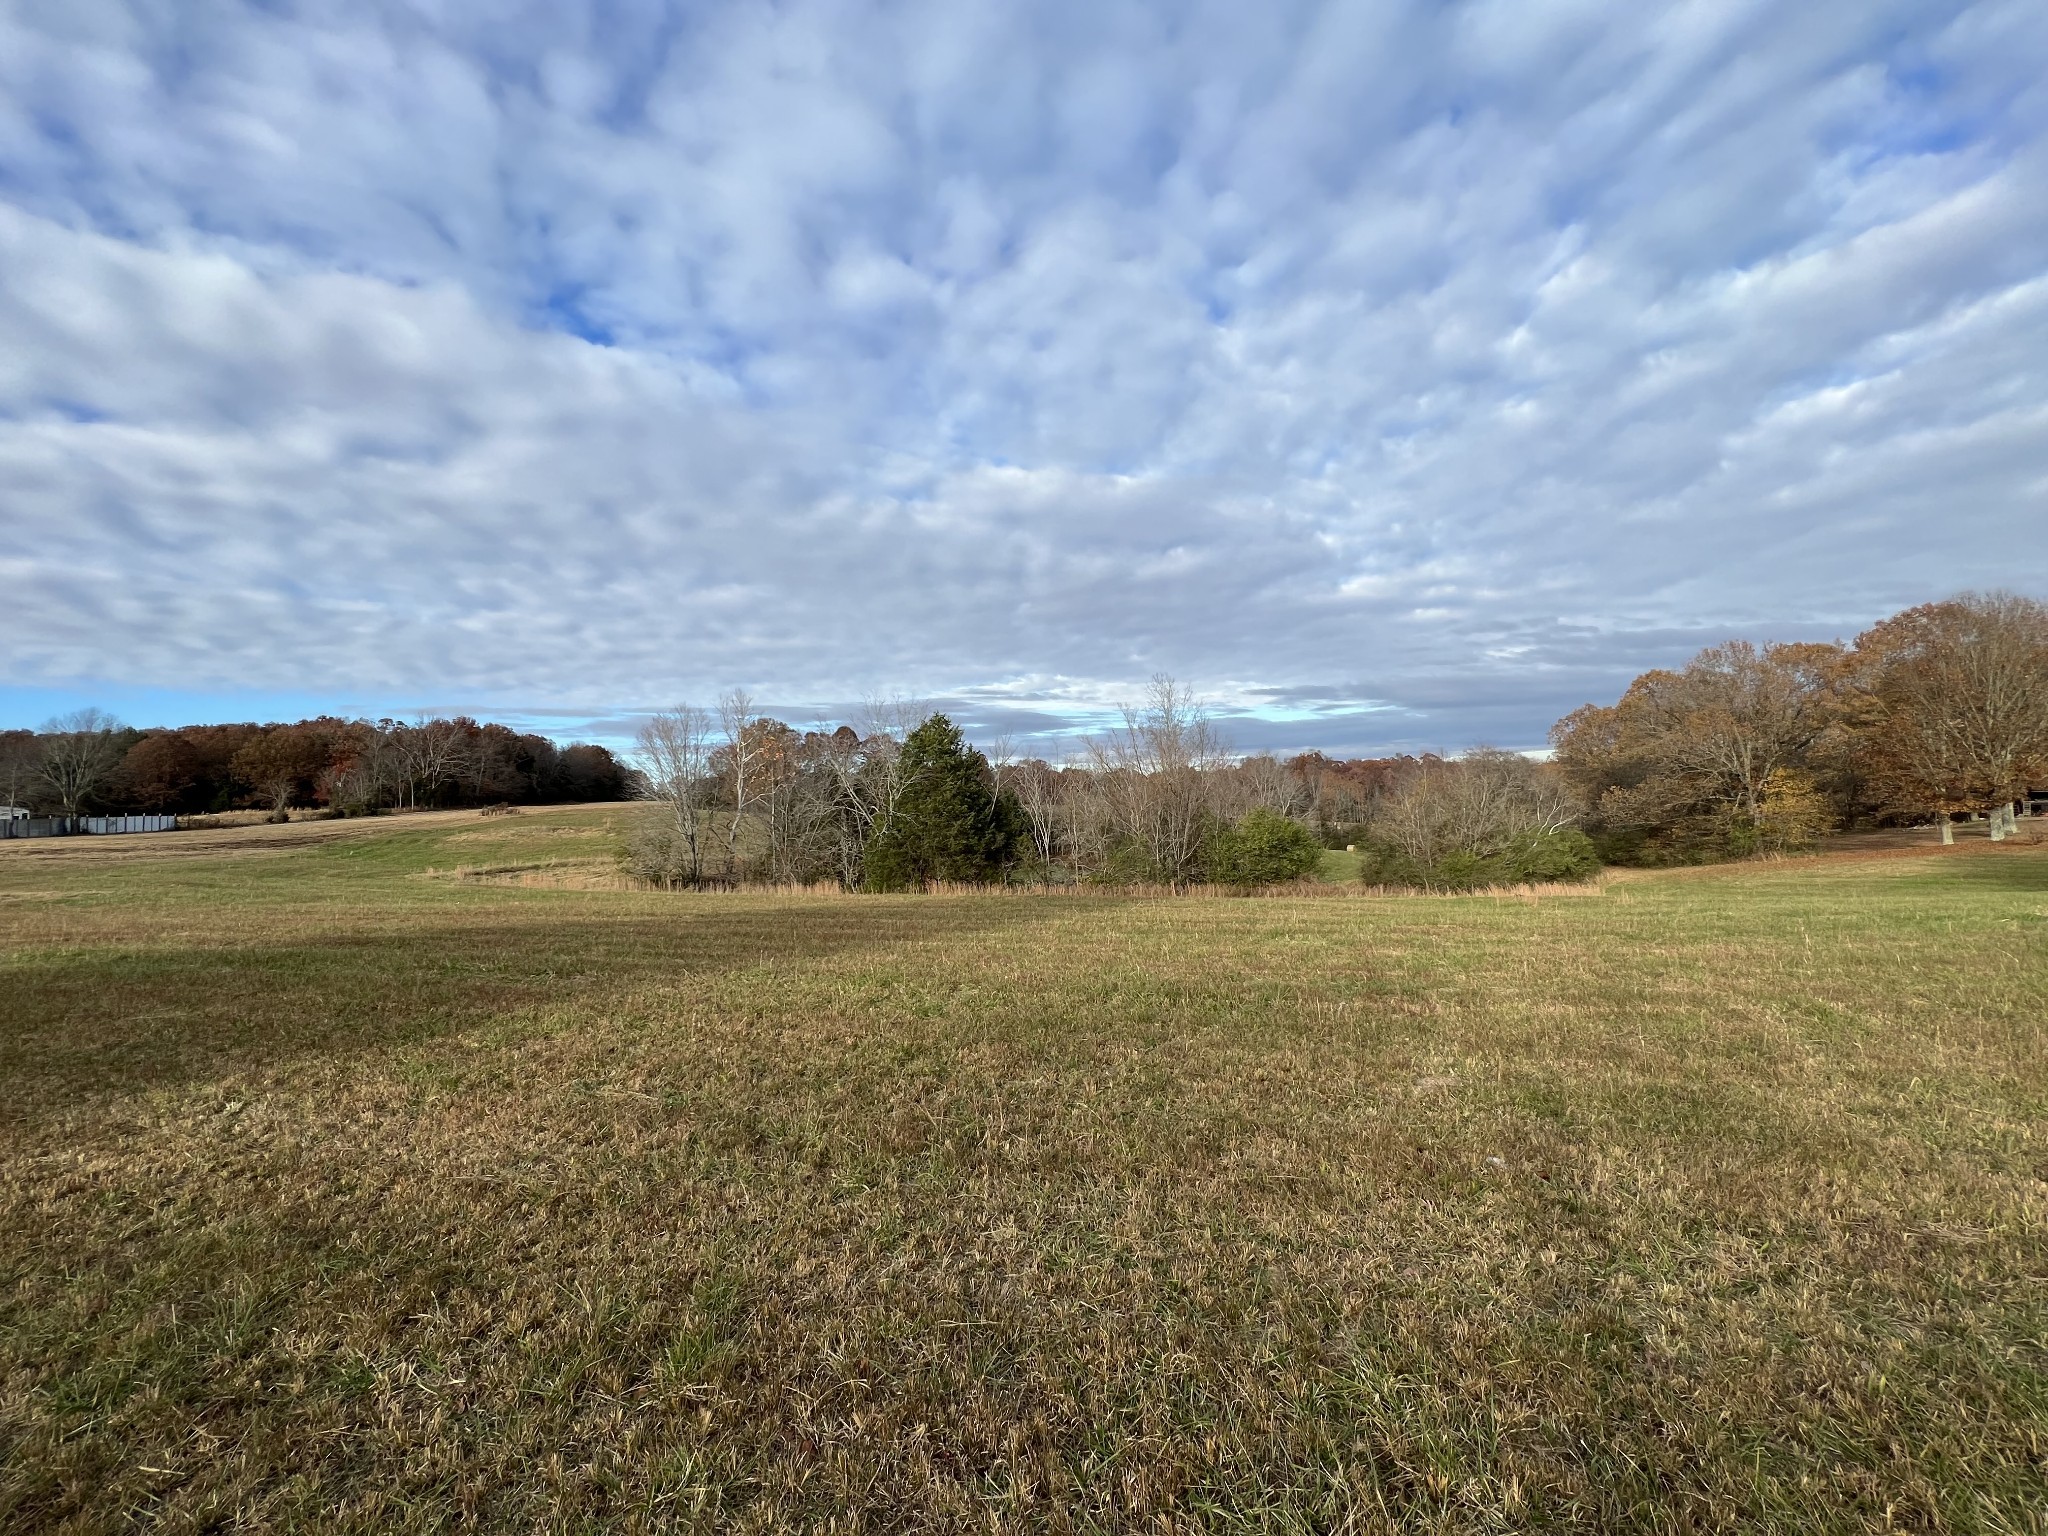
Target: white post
[[1948, 831]]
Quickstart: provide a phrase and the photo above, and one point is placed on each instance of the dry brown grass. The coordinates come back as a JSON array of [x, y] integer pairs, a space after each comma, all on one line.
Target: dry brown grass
[[337, 1196]]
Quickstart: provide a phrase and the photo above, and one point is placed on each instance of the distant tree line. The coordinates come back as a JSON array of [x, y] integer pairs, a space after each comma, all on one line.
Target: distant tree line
[[87, 762], [1936, 712], [899, 802]]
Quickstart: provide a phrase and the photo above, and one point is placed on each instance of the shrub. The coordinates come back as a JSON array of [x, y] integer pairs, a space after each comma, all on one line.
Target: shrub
[[1553, 854], [1627, 845], [656, 853], [1492, 818], [1126, 861], [1794, 816], [1381, 862], [1264, 848]]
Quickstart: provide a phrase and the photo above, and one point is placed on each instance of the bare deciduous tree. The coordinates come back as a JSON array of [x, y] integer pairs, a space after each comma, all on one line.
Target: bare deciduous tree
[[735, 713], [1039, 788], [1262, 783], [80, 752], [428, 755], [854, 774], [1475, 805], [363, 772], [885, 725], [674, 759], [1152, 779]]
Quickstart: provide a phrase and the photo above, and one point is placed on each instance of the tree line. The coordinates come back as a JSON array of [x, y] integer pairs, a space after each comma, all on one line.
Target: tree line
[[1937, 712], [1934, 714], [87, 763], [899, 802]]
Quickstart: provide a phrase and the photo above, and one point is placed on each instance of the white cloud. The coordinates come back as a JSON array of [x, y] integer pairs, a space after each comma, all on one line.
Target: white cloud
[[1478, 355]]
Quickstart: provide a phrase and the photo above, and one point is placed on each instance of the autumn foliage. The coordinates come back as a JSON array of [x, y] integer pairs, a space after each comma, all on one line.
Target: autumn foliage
[[347, 766], [1939, 710], [1950, 705]]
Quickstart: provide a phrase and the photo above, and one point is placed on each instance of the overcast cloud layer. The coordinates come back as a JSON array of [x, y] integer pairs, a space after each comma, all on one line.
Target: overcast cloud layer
[[1405, 374]]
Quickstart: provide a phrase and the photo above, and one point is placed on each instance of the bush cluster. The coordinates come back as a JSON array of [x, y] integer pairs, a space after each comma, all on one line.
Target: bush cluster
[[1263, 848], [1538, 855], [1490, 818]]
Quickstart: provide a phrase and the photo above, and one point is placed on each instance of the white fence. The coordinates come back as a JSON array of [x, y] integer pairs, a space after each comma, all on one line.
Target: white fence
[[75, 826]]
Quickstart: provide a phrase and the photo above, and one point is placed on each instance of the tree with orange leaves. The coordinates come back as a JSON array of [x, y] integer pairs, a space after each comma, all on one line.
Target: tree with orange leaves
[[1950, 704], [1718, 756]]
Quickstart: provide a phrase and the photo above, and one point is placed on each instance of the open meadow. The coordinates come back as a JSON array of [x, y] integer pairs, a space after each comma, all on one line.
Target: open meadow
[[412, 1175]]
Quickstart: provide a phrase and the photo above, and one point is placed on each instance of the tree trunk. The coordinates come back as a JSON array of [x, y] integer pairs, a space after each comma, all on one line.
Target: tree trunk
[[1948, 831]]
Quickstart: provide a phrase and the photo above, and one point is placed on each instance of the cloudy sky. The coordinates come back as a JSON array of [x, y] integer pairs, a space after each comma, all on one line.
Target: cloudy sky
[[1400, 375]]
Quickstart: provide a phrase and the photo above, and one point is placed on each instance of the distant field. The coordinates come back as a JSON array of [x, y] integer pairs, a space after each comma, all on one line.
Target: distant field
[[346, 1184], [1338, 864]]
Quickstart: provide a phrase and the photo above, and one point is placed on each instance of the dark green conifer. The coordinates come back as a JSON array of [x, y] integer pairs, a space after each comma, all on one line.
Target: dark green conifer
[[950, 822]]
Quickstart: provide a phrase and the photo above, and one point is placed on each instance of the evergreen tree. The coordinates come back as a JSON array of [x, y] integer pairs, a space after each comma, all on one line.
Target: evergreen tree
[[949, 821], [1265, 848]]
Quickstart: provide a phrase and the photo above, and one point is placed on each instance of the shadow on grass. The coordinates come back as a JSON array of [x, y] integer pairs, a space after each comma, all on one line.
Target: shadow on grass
[[83, 1022]]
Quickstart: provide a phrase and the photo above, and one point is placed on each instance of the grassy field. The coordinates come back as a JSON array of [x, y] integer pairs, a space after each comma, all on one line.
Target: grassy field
[[347, 1183]]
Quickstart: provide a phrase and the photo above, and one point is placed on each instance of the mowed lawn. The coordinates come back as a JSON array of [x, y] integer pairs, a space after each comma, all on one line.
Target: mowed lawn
[[341, 1193]]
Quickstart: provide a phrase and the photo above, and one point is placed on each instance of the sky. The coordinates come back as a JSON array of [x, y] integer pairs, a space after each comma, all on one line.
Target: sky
[[1400, 376]]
